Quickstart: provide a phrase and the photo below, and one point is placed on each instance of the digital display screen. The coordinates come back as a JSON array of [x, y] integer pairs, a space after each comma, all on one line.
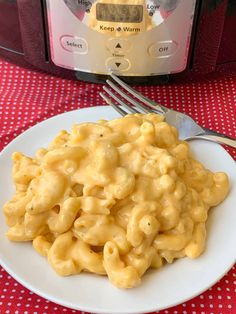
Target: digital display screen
[[124, 13]]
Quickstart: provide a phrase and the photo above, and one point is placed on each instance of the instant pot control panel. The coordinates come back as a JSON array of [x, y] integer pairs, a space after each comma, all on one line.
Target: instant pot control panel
[[129, 37]]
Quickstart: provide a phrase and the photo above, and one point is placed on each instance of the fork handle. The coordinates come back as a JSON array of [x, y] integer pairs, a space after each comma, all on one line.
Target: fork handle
[[217, 137]]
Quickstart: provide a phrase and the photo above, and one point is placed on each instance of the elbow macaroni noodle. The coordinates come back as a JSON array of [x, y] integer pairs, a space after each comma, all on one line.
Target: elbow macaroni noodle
[[113, 197]]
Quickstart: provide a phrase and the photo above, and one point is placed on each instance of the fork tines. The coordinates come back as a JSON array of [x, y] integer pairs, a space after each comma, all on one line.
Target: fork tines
[[118, 93]]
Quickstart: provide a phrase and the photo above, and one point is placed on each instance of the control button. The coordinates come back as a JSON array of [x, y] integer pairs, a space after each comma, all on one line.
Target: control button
[[163, 49], [118, 64], [74, 44], [118, 45]]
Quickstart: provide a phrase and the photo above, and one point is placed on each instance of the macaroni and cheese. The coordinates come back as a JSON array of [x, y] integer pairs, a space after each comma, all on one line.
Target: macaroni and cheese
[[113, 198]]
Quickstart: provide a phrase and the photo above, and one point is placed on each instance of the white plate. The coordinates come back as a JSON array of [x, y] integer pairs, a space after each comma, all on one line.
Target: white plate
[[171, 285]]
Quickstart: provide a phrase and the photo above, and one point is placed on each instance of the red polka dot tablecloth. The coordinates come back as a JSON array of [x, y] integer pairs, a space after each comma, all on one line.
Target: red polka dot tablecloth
[[28, 97]]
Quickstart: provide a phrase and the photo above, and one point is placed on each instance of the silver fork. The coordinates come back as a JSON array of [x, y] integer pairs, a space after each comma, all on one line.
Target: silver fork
[[138, 103]]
